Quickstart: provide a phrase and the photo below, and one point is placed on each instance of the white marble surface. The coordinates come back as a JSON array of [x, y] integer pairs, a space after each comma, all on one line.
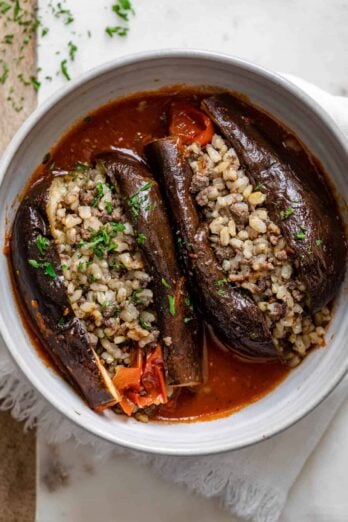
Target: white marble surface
[[307, 38]]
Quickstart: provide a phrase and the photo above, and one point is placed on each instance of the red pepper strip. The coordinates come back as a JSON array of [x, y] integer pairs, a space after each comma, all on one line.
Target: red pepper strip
[[128, 378], [127, 406], [148, 377], [190, 124]]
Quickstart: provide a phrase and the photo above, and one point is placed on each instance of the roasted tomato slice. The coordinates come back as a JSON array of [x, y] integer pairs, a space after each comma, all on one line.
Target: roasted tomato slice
[[190, 124]]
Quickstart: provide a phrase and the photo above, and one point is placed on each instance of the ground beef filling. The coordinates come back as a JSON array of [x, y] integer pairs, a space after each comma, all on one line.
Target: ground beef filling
[[103, 267], [251, 248]]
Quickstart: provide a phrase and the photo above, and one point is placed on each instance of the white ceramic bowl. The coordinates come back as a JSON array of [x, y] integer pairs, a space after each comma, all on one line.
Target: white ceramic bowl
[[308, 384]]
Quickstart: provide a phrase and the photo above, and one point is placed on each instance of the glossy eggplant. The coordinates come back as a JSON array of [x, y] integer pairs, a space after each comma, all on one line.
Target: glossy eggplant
[[39, 279], [301, 206], [236, 319], [177, 322]]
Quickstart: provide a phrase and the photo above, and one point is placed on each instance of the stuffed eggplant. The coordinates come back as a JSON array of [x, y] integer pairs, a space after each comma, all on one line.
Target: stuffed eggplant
[[255, 262], [103, 288], [299, 205], [38, 272], [151, 196], [234, 316], [145, 210]]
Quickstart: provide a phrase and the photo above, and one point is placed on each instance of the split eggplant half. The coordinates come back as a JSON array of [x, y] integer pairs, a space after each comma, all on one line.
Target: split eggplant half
[[302, 208], [235, 318], [177, 322], [38, 273]]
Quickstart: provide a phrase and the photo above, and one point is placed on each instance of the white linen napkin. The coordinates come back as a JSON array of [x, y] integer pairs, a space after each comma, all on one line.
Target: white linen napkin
[[252, 483]]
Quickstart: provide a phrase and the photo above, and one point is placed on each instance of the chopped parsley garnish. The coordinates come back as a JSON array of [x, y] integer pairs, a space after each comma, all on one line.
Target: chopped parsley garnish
[[135, 299], [221, 292], [108, 206], [4, 75], [48, 267], [187, 319], [253, 336], [64, 266], [120, 31], [221, 282], [82, 267], [72, 50], [35, 82], [123, 8], [144, 324], [8, 39], [285, 214], [4, 7], [136, 201], [100, 194], [17, 10], [60, 12], [141, 238], [42, 244], [147, 186], [258, 186], [171, 302], [105, 304], [61, 321], [188, 302], [88, 119], [34, 264], [64, 69], [80, 166], [117, 227], [165, 283], [101, 242], [49, 270], [319, 242], [301, 234]]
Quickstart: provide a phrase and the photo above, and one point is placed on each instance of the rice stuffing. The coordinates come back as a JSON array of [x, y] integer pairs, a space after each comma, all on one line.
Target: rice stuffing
[[103, 267], [251, 249]]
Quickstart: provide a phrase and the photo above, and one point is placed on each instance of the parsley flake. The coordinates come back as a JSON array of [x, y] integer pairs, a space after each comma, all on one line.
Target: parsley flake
[[301, 234], [48, 267], [100, 193], [141, 238], [165, 283], [285, 214], [144, 324], [171, 302], [72, 50], [118, 30], [42, 244], [4, 75], [109, 207], [64, 69], [123, 8]]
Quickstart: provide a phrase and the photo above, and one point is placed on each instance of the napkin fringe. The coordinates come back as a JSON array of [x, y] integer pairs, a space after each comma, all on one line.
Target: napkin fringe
[[253, 502]]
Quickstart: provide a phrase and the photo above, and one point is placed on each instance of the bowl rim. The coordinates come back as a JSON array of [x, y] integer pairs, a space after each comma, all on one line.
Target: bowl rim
[[10, 152]]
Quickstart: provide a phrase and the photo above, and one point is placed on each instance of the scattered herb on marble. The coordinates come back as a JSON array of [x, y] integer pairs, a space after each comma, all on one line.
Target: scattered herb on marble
[[17, 14]]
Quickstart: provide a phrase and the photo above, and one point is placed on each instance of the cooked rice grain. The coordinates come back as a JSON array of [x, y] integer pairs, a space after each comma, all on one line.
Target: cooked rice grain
[[251, 248], [103, 268]]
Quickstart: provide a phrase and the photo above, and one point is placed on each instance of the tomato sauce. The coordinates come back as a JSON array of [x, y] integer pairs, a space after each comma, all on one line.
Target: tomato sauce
[[131, 123]]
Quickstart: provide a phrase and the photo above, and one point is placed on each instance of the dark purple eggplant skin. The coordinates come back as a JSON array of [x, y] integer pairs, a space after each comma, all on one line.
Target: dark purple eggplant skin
[[320, 250], [235, 318], [62, 334], [184, 355]]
